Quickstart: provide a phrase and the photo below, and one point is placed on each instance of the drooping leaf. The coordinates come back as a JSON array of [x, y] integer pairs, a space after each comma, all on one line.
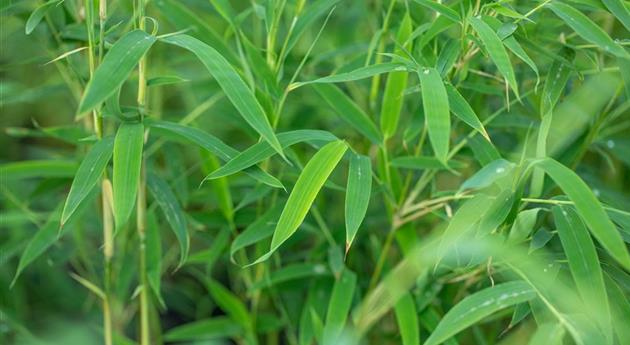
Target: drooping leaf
[[38, 169], [127, 162], [407, 318], [303, 194], [357, 74], [441, 9], [496, 50], [118, 63], [215, 146], [436, 111], [173, 212], [589, 209], [583, 262], [585, 27], [339, 306], [88, 175], [215, 328], [39, 13], [460, 107], [357, 194], [349, 111], [234, 87], [478, 306], [261, 151], [396, 83]]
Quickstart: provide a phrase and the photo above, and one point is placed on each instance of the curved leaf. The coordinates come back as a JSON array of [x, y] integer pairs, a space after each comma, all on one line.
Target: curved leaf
[[357, 194]]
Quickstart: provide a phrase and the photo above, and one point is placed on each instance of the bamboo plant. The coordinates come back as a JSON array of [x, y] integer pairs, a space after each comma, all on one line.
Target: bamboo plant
[[315, 172]]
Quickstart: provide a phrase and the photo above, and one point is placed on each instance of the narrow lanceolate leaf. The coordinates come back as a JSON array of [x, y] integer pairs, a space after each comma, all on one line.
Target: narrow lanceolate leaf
[[173, 212], [407, 318], [339, 306], [215, 328], [496, 50], [118, 63], [422, 163], [39, 13], [357, 194], [589, 209], [396, 84], [619, 10], [233, 306], [557, 78], [478, 306], [37, 169], [215, 146], [306, 188], [548, 333], [441, 9], [234, 87], [261, 151], [357, 74], [87, 175], [436, 111], [349, 111], [584, 263], [585, 27], [127, 162], [460, 107]]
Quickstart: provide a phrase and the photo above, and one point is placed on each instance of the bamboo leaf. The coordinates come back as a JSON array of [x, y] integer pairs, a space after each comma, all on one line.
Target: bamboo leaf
[[496, 50], [127, 162], [583, 262], [38, 169], [436, 111], [460, 107], [585, 27], [303, 194], [233, 306], [478, 306], [173, 213], [118, 63], [441, 9], [215, 328], [619, 10], [215, 146], [396, 84], [349, 111], [234, 87], [548, 333], [357, 194], [589, 209], [339, 306], [261, 151], [357, 74], [39, 13], [422, 163], [88, 174], [407, 318]]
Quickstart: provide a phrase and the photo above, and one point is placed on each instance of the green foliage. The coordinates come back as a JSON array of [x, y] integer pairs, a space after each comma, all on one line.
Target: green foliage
[[315, 171]]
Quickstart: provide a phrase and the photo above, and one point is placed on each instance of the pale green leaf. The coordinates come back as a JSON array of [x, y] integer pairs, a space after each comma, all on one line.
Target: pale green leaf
[[586, 28], [357, 194], [436, 111], [407, 319], [234, 87], [496, 50], [339, 306], [349, 111], [118, 63], [173, 212], [478, 306], [88, 175], [589, 209], [127, 162]]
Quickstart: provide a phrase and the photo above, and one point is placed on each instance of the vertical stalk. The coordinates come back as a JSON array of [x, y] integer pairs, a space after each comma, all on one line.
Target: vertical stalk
[[106, 188], [142, 194]]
